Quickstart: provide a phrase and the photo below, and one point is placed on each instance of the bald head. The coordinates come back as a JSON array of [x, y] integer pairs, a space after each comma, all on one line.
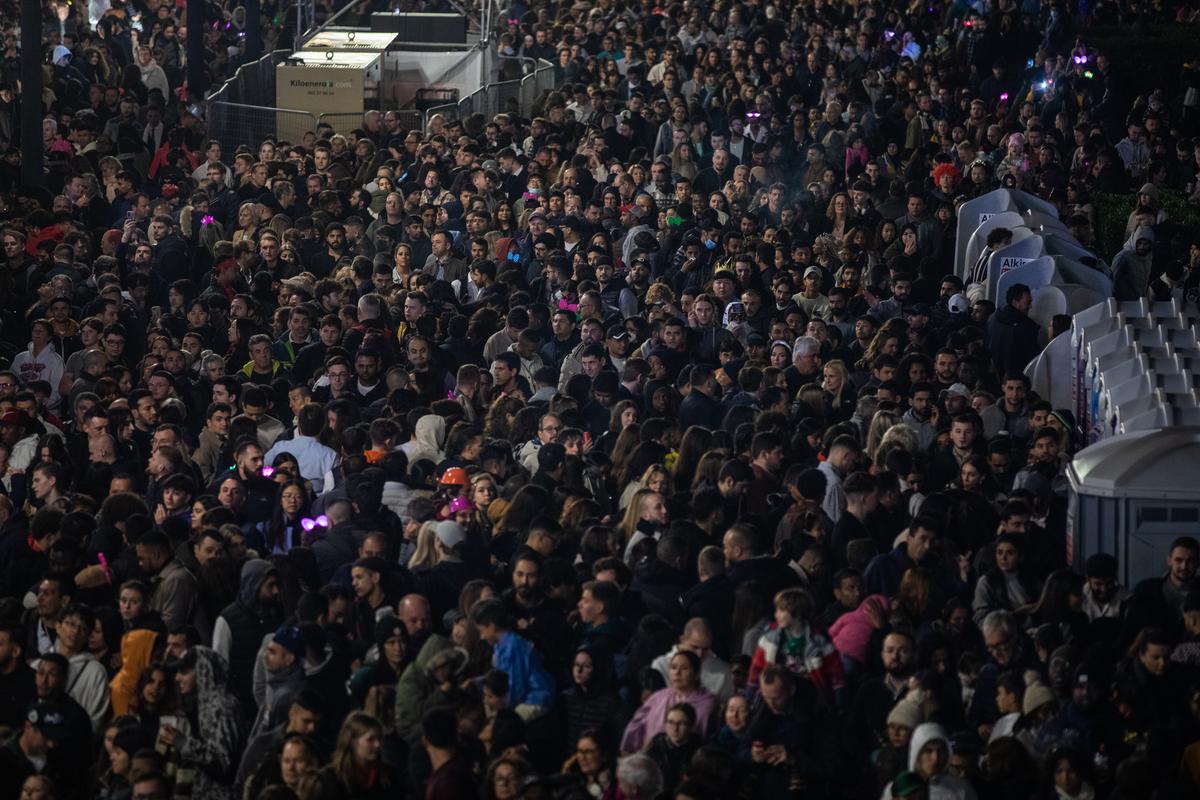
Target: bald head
[[414, 613], [697, 637], [102, 449]]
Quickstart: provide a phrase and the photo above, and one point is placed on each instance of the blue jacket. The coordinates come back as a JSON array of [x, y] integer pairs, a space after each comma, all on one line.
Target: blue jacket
[[528, 681]]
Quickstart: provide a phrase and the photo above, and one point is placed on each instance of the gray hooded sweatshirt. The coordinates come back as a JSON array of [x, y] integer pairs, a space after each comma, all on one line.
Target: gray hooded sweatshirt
[[1131, 272]]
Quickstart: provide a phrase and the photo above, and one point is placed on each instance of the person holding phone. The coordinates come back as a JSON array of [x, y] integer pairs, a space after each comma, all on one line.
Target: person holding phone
[[203, 740]]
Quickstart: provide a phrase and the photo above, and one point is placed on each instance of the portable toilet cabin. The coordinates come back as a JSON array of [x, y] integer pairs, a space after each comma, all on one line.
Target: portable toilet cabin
[[1131, 496]]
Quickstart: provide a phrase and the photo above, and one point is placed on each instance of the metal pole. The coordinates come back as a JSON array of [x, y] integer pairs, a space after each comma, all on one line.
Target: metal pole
[[197, 80], [31, 94], [254, 42], [299, 24]]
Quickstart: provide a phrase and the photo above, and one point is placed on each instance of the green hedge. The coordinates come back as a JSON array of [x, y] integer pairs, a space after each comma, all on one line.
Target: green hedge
[[1112, 215]]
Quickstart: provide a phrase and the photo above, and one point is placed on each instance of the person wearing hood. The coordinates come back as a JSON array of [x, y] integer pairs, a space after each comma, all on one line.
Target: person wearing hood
[[428, 437], [929, 757], [41, 362], [431, 680], [242, 625], [137, 651], [204, 742], [1149, 202], [1131, 268]]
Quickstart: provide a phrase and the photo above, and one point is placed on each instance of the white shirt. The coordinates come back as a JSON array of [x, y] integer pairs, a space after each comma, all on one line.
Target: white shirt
[[317, 461]]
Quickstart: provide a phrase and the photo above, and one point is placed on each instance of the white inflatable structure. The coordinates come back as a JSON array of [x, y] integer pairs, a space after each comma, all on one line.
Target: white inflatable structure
[[1136, 367], [1064, 276]]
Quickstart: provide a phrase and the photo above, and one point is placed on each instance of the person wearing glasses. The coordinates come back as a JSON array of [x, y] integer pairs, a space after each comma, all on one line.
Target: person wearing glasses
[[548, 429], [1008, 649]]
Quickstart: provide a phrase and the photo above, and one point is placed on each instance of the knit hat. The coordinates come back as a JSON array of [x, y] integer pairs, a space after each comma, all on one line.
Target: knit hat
[[387, 627], [906, 713], [1037, 694], [288, 637]]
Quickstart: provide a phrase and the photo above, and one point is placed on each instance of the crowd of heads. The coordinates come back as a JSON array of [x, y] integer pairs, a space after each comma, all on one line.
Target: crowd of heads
[[648, 441]]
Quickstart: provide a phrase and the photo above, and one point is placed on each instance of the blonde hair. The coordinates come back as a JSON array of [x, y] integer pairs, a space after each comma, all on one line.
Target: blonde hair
[[883, 421], [633, 513], [839, 366], [426, 555], [898, 437], [651, 471]]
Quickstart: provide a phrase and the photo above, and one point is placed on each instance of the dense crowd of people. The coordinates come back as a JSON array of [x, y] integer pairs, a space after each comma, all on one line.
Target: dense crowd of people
[[652, 444]]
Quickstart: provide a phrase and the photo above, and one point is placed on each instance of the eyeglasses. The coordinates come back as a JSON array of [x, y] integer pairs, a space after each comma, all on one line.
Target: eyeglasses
[[999, 647]]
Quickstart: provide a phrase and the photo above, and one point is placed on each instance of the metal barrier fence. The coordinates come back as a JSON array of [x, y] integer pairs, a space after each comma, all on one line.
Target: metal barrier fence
[[235, 124], [253, 84], [515, 96], [242, 111]]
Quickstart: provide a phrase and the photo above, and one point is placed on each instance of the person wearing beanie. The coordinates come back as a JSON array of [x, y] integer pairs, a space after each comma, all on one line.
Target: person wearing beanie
[[393, 646], [903, 719], [1038, 697], [283, 661]]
